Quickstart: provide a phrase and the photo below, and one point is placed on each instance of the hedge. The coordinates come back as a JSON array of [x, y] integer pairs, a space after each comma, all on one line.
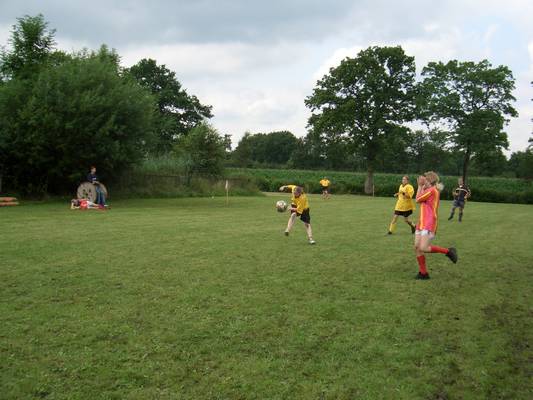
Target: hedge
[[484, 189]]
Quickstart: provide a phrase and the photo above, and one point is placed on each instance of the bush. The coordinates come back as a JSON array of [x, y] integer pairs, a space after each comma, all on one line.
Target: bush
[[168, 176], [497, 190], [68, 117]]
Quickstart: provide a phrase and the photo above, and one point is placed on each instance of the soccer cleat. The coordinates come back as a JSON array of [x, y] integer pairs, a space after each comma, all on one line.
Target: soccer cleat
[[311, 241], [389, 233], [452, 254], [422, 276], [450, 217], [286, 233]]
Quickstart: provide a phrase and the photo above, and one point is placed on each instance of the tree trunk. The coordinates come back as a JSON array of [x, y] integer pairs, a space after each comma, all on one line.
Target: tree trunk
[[369, 181], [466, 160]]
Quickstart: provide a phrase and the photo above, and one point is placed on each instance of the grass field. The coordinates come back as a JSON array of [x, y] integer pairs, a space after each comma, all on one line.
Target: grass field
[[193, 299]]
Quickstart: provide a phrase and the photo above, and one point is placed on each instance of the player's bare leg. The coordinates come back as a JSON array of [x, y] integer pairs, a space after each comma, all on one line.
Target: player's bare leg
[[413, 226], [392, 226], [309, 233], [290, 223]]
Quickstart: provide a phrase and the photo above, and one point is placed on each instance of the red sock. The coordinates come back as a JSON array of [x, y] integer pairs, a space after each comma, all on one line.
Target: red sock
[[422, 264], [437, 249]]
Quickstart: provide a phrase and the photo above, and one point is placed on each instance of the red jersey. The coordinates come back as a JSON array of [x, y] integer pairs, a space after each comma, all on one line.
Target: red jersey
[[83, 204], [429, 209]]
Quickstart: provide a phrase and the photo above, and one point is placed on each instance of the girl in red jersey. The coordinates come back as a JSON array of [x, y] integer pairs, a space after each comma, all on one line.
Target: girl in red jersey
[[84, 204], [428, 196]]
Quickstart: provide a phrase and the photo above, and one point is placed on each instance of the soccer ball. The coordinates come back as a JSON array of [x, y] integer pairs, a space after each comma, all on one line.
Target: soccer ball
[[281, 206]]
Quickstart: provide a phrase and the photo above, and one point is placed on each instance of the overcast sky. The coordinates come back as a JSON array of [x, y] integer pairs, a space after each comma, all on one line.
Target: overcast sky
[[256, 61]]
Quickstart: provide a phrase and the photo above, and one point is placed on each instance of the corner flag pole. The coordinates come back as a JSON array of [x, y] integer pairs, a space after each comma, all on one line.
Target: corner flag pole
[[227, 192]]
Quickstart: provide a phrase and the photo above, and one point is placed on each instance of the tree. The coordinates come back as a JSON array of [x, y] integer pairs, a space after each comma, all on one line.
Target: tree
[[70, 116], [31, 45], [179, 112], [203, 149], [427, 151], [521, 164], [274, 148], [242, 155], [489, 163], [473, 101], [365, 100], [323, 151], [279, 147]]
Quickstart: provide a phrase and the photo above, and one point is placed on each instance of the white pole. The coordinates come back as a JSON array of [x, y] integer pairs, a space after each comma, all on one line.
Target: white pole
[[227, 192]]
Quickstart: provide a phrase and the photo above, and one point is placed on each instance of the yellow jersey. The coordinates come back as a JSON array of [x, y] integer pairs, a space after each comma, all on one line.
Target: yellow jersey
[[405, 198], [301, 201], [324, 182]]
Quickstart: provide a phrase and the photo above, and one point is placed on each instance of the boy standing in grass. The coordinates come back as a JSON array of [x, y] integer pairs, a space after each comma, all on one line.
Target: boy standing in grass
[[460, 195], [428, 196], [299, 208], [93, 178], [404, 206]]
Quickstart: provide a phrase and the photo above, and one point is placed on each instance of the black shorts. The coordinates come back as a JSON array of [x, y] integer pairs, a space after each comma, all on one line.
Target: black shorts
[[325, 188], [403, 213], [304, 216], [458, 203]]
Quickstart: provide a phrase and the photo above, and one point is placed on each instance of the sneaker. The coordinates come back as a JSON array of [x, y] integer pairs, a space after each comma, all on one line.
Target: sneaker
[[311, 241], [286, 233], [422, 276], [452, 254], [413, 229]]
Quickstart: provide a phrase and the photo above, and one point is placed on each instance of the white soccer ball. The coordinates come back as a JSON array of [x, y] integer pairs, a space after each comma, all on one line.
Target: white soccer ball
[[281, 206]]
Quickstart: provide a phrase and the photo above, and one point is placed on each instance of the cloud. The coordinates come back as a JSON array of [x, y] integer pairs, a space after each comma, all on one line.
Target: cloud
[[335, 59], [255, 62], [116, 23], [5, 34]]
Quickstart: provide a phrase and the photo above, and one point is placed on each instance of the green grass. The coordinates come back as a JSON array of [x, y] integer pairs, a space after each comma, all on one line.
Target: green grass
[[191, 299]]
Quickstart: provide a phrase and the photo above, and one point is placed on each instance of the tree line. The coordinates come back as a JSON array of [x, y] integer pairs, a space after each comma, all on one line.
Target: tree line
[[61, 112], [416, 151], [361, 110]]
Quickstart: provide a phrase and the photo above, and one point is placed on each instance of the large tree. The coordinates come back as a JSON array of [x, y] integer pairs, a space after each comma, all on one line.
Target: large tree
[[32, 43], [365, 100], [265, 148], [63, 113], [179, 112], [473, 101]]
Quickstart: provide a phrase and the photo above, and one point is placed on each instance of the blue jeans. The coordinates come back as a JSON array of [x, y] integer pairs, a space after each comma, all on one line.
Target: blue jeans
[[100, 196]]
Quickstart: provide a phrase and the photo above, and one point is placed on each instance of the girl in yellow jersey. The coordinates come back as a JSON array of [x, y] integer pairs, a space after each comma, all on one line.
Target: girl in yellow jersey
[[324, 184], [404, 206], [299, 208]]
